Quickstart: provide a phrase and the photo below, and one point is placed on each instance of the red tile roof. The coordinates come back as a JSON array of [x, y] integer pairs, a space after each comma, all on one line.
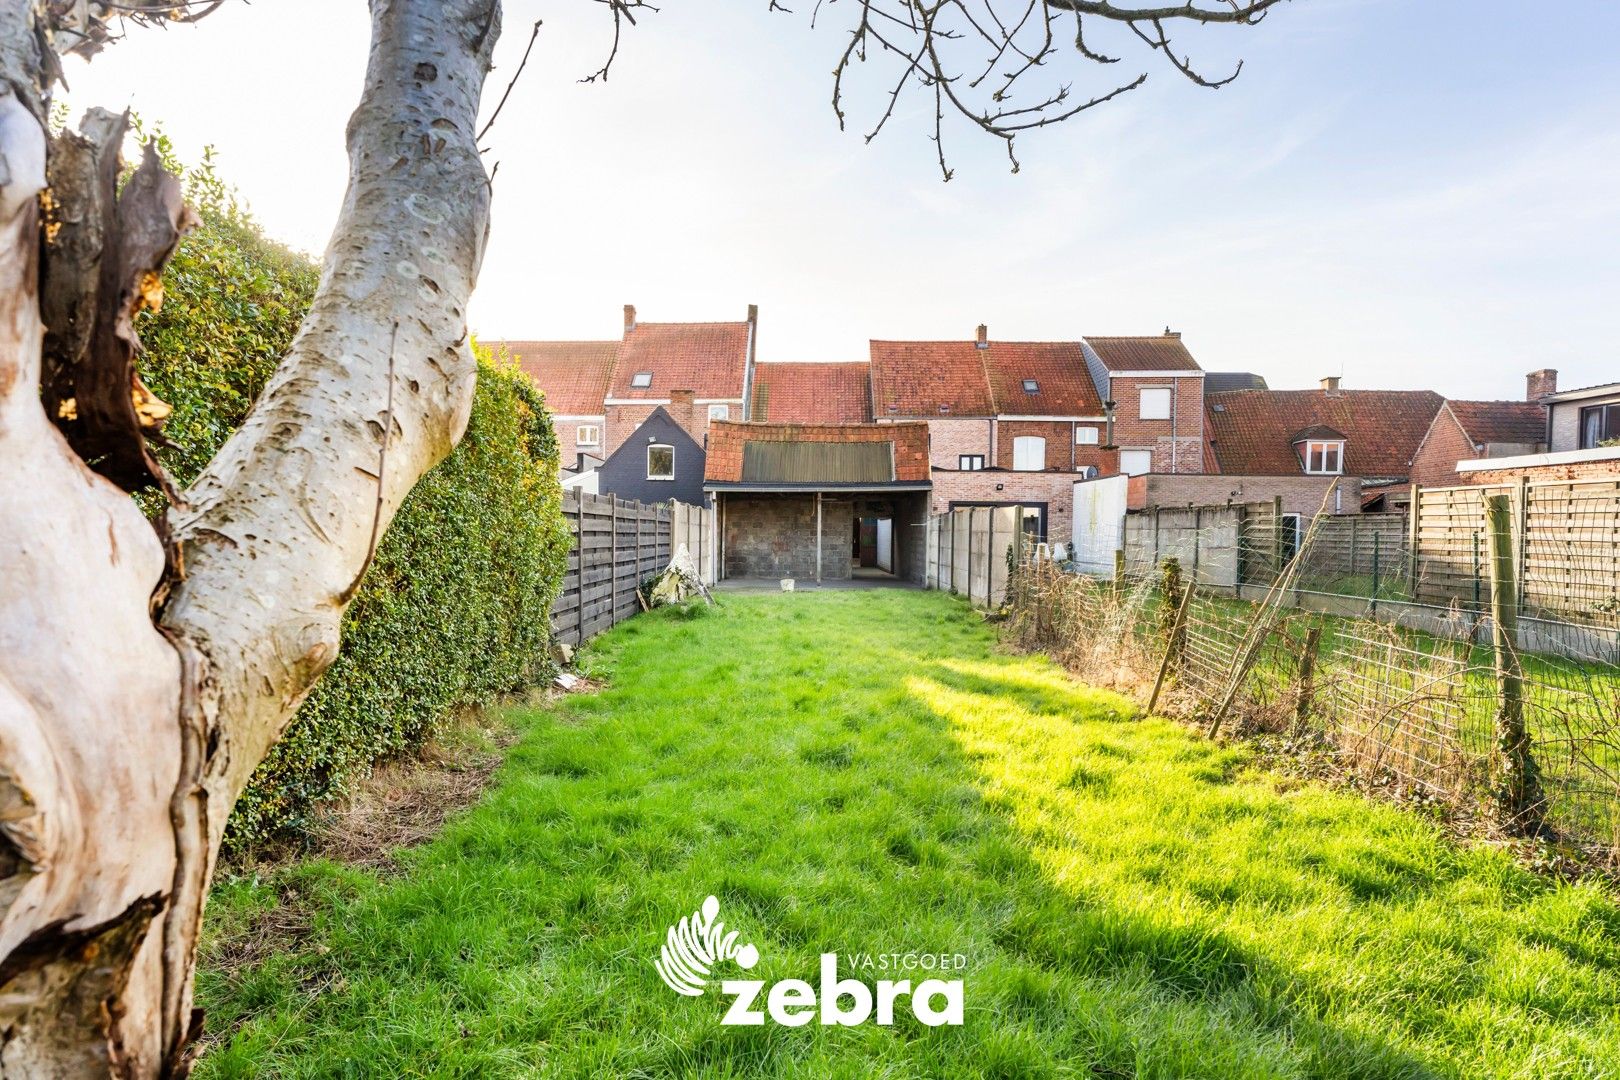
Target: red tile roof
[[1062, 380], [813, 393], [724, 463], [1253, 430], [572, 374], [929, 378], [1162, 352], [709, 358], [1501, 421]]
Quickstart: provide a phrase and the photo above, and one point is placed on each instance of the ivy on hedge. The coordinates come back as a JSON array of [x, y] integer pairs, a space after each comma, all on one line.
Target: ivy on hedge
[[455, 608]]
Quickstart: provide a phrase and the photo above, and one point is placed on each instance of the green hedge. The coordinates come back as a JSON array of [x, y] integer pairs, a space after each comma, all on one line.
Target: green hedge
[[454, 610]]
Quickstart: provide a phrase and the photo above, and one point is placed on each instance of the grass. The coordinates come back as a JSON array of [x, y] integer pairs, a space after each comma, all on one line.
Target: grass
[[864, 771]]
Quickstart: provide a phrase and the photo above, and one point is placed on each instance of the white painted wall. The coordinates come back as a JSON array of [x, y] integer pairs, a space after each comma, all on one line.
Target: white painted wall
[[1099, 523]]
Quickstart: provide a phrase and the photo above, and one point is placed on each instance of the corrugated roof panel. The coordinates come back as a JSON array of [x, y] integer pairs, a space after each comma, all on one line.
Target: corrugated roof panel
[[818, 462]]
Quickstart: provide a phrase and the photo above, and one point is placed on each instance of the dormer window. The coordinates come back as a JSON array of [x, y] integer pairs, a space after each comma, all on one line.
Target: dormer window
[[641, 380], [1031, 386], [1324, 457]]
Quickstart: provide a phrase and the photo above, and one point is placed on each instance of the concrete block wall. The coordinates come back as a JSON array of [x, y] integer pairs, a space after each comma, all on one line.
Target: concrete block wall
[[773, 536]]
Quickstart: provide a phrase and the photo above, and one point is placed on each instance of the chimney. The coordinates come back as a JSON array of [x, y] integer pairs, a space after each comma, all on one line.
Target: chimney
[[753, 314], [984, 336], [629, 317], [684, 412], [1538, 384], [1331, 383], [1169, 333]]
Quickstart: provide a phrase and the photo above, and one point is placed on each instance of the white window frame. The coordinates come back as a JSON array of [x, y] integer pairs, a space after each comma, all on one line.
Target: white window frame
[[1140, 472], [641, 380], [1328, 447], [660, 446], [1142, 402], [1085, 435], [721, 411], [962, 462], [1032, 386], [1023, 447], [592, 439]]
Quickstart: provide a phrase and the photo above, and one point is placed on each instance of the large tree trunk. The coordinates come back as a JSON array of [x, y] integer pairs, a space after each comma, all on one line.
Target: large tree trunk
[[134, 702]]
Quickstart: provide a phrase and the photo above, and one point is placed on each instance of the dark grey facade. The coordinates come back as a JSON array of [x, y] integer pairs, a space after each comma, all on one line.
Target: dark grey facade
[[625, 472]]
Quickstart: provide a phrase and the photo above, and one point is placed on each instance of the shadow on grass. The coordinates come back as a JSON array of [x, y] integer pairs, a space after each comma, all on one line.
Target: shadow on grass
[[1126, 910]]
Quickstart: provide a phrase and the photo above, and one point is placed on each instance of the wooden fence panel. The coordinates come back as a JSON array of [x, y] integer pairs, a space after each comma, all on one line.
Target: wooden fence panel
[[617, 545]]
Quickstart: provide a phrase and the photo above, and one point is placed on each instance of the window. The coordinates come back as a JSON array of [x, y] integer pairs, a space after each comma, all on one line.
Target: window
[[719, 412], [1155, 403], [587, 435], [1031, 386], [1135, 462], [660, 462], [1085, 436], [970, 462], [1325, 458], [1599, 424], [1029, 453], [641, 380]]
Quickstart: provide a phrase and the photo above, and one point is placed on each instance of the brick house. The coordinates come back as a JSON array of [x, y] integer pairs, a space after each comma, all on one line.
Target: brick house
[[1373, 435], [574, 376], [1587, 418], [1157, 389], [820, 502], [1011, 422], [1468, 430], [601, 392], [1582, 438]]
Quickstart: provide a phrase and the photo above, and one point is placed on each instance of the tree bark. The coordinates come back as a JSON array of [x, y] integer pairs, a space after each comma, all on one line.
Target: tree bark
[[135, 703]]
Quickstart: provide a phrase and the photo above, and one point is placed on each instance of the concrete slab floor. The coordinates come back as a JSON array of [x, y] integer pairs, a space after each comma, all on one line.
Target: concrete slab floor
[[802, 585]]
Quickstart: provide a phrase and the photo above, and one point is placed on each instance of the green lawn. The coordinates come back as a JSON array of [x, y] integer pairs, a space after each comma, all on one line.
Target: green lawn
[[865, 772]]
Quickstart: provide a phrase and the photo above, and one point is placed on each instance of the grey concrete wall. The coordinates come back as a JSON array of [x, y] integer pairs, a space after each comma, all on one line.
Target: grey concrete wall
[[774, 536]]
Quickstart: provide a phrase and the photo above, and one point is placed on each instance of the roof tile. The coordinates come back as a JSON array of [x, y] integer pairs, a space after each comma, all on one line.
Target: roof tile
[[1501, 421], [1253, 430], [1161, 352], [813, 393], [572, 374], [709, 358], [724, 461]]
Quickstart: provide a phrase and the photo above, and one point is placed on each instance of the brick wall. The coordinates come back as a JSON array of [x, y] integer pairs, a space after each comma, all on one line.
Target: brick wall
[[567, 427], [951, 437], [1446, 444], [1182, 452], [1055, 489], [1300, 494], [1057, 433], [1574, 470]]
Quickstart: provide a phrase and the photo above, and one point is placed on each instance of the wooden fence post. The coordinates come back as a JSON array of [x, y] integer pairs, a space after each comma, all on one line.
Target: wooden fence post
[[1516, 785], [1413, 514], [1173, 642], [1119, 573], [579, 572], [1307, 677], [1276, 537]]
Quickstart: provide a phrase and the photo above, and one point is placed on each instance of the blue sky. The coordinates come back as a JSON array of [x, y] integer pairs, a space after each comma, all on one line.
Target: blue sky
[[1413, 193]]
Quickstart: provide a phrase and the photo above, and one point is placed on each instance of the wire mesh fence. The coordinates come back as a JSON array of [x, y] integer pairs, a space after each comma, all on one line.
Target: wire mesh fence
[[1490, 681]]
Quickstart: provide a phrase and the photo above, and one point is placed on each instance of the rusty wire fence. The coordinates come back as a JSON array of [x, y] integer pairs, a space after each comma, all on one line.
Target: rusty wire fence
[[1506, 706]]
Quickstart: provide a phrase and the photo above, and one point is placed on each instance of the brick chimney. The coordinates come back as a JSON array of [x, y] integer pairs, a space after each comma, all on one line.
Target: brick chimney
[[684, 412], [1538, 384], [984, 337], [1331, 383], [629, 317]]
